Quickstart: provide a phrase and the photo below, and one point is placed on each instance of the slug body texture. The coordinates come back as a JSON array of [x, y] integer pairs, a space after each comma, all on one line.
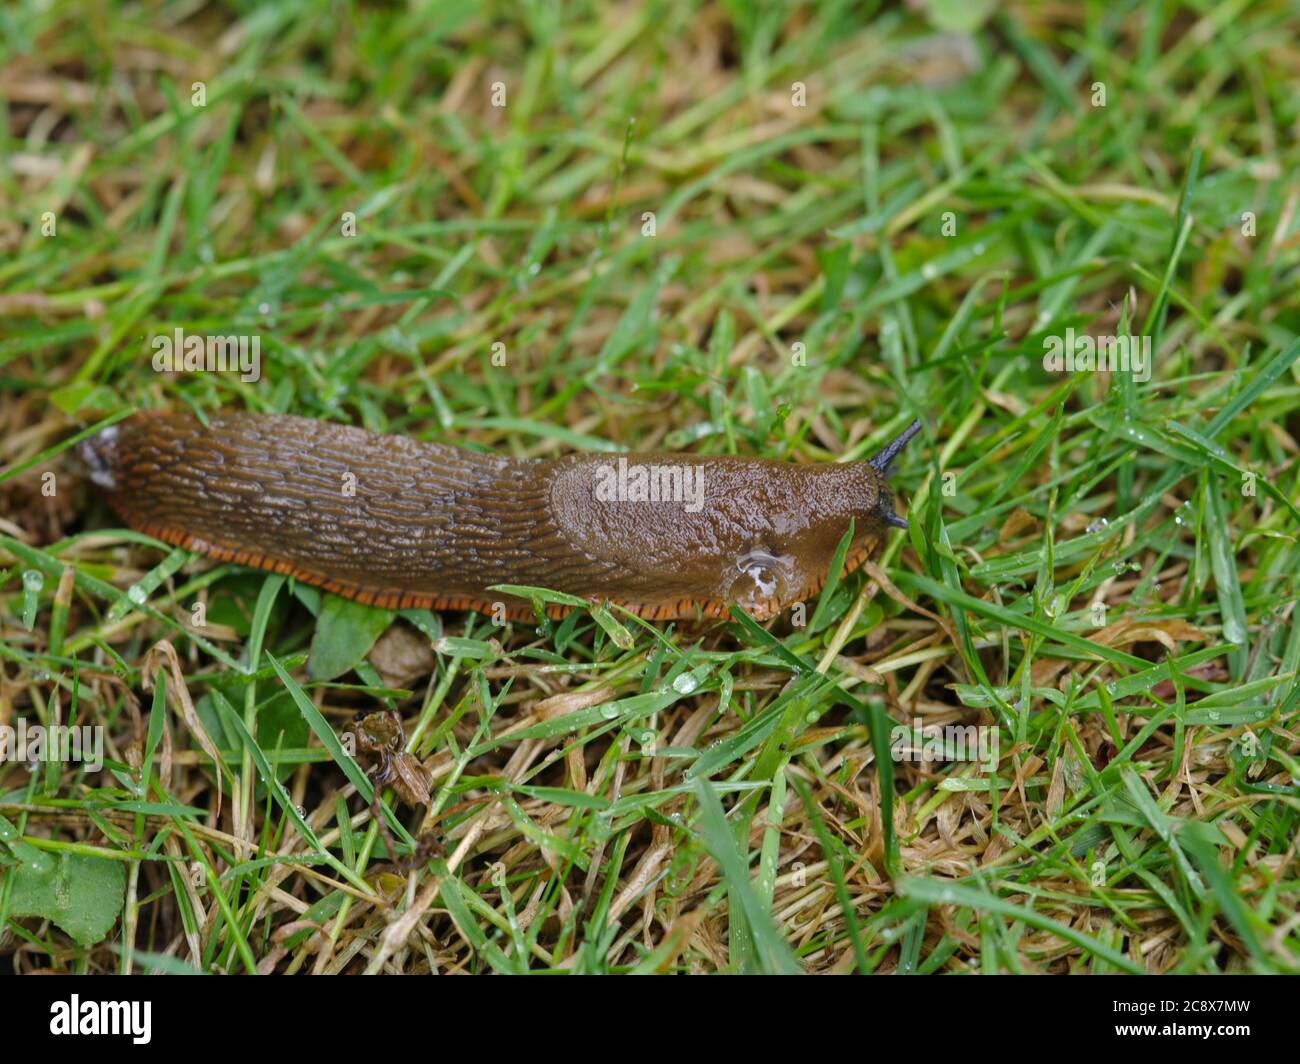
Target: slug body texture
[[399, 523]]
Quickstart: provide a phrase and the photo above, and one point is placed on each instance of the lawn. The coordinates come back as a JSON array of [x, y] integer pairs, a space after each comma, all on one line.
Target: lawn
[[780, 231]]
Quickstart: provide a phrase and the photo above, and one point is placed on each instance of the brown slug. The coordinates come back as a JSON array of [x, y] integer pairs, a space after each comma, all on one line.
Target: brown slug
[[398, 523]]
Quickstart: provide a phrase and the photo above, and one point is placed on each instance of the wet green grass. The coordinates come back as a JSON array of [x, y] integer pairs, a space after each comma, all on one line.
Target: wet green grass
[[1101, 568]]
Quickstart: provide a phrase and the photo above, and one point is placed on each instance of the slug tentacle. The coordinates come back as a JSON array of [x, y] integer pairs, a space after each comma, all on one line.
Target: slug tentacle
[[402, 523], [883, 460]]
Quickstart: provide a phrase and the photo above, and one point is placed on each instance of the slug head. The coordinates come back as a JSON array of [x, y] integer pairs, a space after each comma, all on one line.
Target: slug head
[[793, 565], [760, 534]]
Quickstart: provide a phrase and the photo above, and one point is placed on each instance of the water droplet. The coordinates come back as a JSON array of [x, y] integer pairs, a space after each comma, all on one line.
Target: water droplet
[[33, 580], [1097, 525], [137, 594], [685, 683], [763, 578], [929, 271], [609, 712], [264, 308]]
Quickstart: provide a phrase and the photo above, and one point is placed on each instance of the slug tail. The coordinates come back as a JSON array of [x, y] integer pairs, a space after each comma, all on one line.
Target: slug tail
[[97, 455]]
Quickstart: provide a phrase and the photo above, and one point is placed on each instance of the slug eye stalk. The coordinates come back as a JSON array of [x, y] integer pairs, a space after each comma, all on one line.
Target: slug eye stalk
[[883, 460], [883, 463]]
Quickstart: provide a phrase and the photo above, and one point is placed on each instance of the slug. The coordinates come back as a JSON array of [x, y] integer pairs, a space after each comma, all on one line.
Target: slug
[[399, 523]]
